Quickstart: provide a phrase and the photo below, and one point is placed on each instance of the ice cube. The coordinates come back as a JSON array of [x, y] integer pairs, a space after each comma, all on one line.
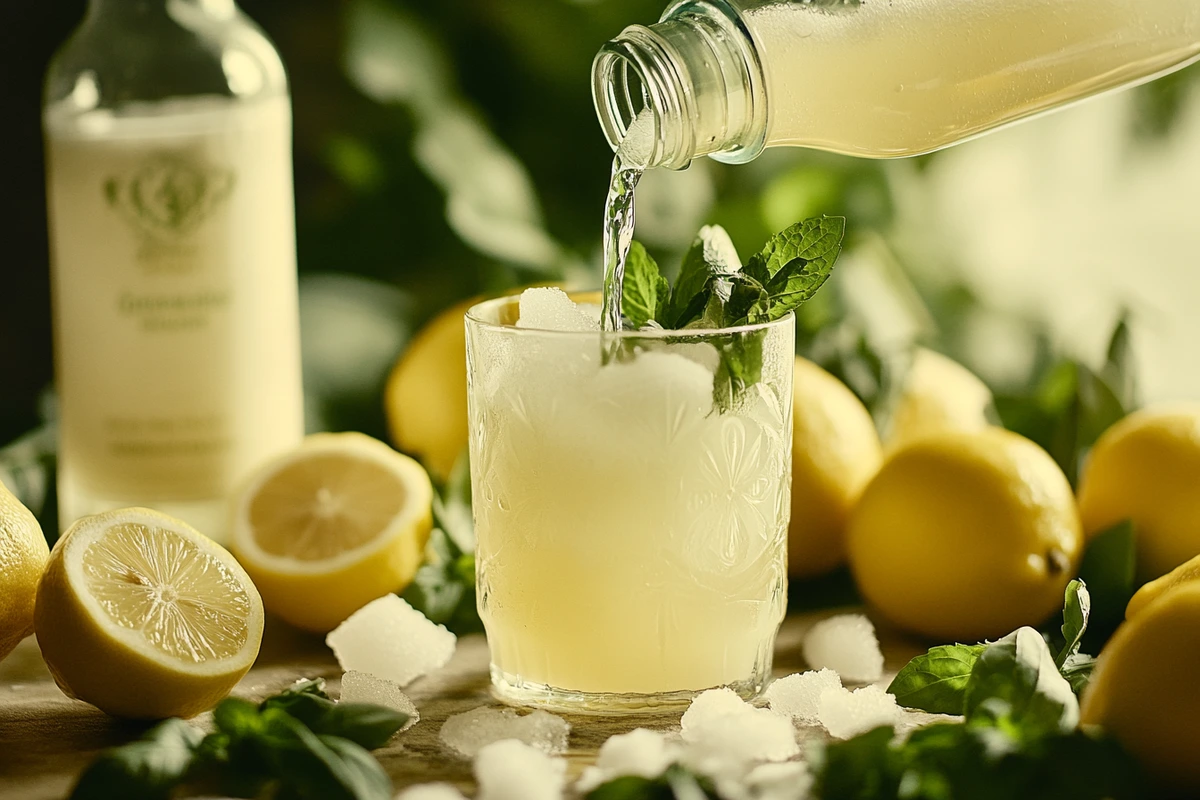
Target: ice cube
[[361, 687], [787, 781], [471, 731], [845, 714], [431, 791], [796, 695], [512, 770], [390, 639], [549, 309], [846, 644], [719, 727], [641, 752]]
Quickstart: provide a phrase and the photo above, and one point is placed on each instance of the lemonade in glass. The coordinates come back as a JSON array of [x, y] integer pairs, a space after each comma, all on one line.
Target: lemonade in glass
[[631, 513]]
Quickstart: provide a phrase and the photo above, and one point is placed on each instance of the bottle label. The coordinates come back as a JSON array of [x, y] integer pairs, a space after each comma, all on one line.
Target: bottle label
[[176, 330]]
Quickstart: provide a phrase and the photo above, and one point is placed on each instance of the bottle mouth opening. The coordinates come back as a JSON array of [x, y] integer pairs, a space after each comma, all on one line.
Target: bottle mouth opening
[[635, 86]]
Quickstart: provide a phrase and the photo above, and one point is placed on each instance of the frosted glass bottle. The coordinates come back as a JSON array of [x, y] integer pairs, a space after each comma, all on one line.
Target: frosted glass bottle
[[169, 181], [874, 78]]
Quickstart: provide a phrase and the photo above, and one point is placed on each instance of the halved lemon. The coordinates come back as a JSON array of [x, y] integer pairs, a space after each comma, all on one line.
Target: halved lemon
[[331, 526], [141, 616]]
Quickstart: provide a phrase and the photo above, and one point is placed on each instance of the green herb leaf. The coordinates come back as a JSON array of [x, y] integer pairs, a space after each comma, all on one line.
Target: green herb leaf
[[1078, 671], [365, 724], [712, 254], [1020, 670], [1119, 371], [862, 767], [794, 264], [740, 366], [236, 717], [1076, 610], [1109, 567], [645, 291], [320, 767], [143, 770], [677, 783], [936, 681]]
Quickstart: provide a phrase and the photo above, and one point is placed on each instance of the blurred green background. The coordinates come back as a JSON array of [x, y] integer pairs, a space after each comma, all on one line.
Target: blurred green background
[[449, 149]]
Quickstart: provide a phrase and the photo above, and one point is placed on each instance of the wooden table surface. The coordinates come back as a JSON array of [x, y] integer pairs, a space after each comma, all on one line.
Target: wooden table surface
[[46, 738]]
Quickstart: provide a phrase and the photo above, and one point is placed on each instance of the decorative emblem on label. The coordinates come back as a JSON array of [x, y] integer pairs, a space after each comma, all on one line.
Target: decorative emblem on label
[[169, 195]]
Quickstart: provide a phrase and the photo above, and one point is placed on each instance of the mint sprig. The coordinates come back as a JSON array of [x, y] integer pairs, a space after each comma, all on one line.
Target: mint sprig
[[715, 290], [297, 744]]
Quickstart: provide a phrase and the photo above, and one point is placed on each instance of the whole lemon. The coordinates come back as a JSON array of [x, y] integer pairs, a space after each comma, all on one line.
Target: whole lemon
[[23, 555], [1144, 689], [937, 394], [966, 535], [1146, 468], [835, 451]]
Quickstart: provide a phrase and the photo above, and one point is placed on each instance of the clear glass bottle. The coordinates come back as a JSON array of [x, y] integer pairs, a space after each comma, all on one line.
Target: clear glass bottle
[[169, 182], [726, 78]]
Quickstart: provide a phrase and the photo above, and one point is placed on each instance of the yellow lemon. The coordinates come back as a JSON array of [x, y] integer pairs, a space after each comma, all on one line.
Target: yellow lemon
[[1146, 468], [426, 394], [937, 394], [965, 536], [23, 554], [141, 616], [835, 451], [1144, 689], [331, 526]]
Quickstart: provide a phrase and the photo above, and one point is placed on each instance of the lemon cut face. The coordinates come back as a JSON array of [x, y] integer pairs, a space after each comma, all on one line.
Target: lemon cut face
[[167, 594], [331, 526], [142, 616]]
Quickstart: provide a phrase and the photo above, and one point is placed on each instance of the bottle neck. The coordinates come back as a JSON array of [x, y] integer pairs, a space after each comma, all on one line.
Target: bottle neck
[[697, 74]]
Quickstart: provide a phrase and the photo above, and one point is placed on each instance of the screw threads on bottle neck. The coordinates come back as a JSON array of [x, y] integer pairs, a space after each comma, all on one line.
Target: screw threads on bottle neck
[[698, 75]]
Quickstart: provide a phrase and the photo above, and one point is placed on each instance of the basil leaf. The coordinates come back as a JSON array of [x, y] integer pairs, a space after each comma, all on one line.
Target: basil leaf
[[1076, 610], [306, 706], [316, 767], [936, 681], [143, 770], [1020, 670], [1078, 671], [862, 767], [1109, 566], [236, 717], [365, 724], [645, 290], [711, 254]]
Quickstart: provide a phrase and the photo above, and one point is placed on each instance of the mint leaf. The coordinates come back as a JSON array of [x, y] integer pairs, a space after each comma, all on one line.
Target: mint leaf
[[793, 265], [1076, 610], [147, 769], [1078, 671], [712, 254], [863, 767], [645, 291], [1019, 670], [936, 681], [740, 366], [1109, 566]]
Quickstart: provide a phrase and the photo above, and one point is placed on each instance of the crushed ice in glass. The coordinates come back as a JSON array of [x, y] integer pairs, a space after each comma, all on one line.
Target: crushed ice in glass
[[550, 309], [796, 695], [512, 770], [846, 714], [471, 731], [390, 639], [361, 687], [847, 645]]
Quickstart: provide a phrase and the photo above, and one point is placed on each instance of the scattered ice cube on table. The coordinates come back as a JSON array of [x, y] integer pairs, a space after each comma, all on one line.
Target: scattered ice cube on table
[[719, 727], [641, 752], [362, 687], [846, 714], [847, 645], [796, 695], [788, 781], [390, 639], [431, 791], [512, 770], [472, 730], [550, 309]]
